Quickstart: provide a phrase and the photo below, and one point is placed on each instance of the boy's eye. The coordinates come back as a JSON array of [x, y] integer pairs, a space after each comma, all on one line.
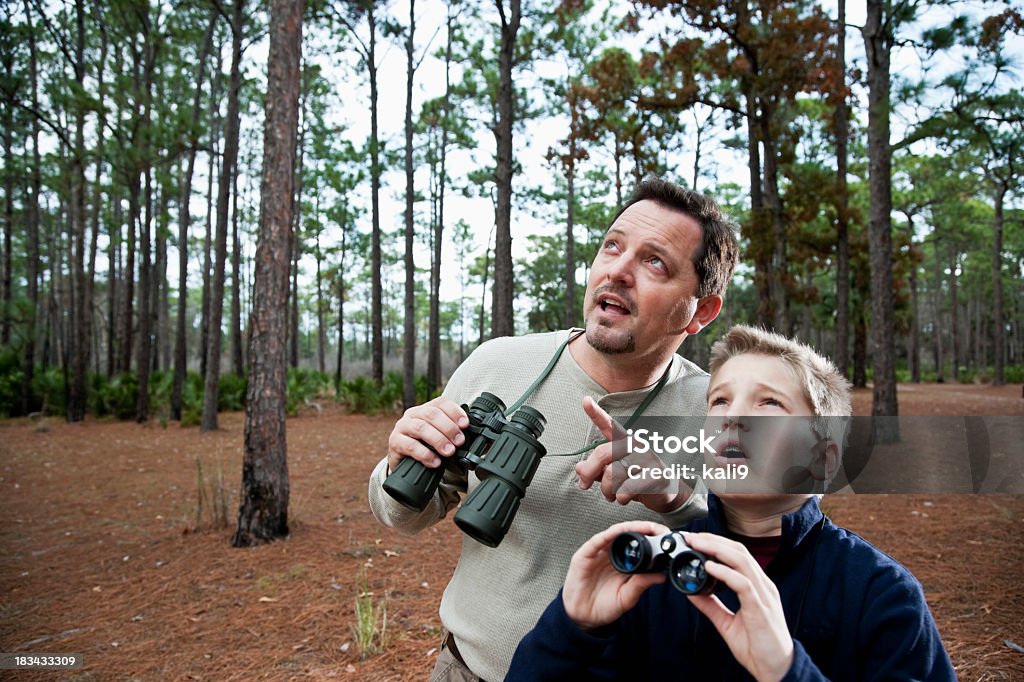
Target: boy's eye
[[717, 401], [774, 402]]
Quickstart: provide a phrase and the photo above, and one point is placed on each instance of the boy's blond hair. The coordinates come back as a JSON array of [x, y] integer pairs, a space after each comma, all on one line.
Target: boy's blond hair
[[826, 390]]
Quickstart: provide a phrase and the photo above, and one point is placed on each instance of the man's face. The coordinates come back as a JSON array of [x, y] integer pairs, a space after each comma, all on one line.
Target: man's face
[[764, 421], [641, 294]]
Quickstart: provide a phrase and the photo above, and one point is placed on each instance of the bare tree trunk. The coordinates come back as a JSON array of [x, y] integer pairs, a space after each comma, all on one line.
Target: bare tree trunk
[[998, 325], [878, 42], [843, 207], [503, 294], [78, 338], [28, 362], [321, 330], [8, 135], [236, 284], [434, 341], [211, 385], [376, 286], [215, 136], [954, 310], [915, 327], [184, 222], [263, 515], [296, 248], [940, 360], [409, 323]]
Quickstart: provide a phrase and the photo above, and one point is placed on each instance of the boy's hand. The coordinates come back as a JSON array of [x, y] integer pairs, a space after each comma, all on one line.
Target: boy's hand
[[662, 495], [756, 634], [595, 594]]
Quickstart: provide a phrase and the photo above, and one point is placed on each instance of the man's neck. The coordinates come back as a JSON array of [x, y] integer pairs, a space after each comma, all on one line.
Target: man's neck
[[618, 372], [759, 516]]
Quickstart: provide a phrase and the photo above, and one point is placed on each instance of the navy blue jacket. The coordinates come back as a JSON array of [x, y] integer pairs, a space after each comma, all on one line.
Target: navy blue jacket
[[854, 613]]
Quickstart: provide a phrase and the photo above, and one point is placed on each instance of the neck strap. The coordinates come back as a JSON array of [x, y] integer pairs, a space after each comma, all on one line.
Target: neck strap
[[551, 365]]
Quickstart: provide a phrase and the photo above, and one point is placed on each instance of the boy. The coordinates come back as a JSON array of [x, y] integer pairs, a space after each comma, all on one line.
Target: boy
[[798, 597]]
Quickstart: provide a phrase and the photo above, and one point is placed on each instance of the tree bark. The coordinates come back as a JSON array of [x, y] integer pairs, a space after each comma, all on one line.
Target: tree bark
[[502, 318], [32, 233], [998, 325], [263, 515], [235, 324], [878, 41], [79, 338], [184, 222], [409, 323], [843, 208], [211, 387]]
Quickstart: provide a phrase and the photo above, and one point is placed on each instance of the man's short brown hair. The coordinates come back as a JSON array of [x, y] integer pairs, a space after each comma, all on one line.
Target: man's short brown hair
[[716, 259]]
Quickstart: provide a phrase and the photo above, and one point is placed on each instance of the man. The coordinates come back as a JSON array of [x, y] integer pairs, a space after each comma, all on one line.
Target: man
[[659, 277]]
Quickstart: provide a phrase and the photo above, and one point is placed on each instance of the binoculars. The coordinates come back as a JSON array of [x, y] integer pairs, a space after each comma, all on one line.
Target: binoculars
[[638, 553], [505, 453]]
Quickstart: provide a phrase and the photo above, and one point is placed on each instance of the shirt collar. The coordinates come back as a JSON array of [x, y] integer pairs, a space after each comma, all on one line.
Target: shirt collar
[[796, 526]]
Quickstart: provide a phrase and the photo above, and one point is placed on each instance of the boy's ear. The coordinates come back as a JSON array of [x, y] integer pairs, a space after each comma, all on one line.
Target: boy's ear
[[707, 310], [825, 464]]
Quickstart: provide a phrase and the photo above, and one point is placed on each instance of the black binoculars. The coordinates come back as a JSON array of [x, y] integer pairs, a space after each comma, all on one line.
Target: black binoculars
[[639, 553], [505, 453]]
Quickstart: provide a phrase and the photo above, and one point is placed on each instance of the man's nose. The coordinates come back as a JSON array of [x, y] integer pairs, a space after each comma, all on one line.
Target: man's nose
[[622, 271]]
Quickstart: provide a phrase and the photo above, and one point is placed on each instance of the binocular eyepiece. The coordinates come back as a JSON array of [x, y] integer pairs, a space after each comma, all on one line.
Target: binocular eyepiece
[[639, 553], [505, 453]]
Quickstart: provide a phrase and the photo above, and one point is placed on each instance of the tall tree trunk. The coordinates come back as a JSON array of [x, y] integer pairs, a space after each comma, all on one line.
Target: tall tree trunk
[[998, 325], [569, 314], [842, 119], [211, 385], [860, 348], [434, 341], [409, 323], [954, 310], [762, 262], [878, 41], [79, 338], [263, 514], [296, 248], [97, 196], [321, 330], [915, 327], [235, 324], [502, 319], [8, 135], [28, 361], [184, 222], [940, 359], [376, 285], [215, 137], [777, 273], [147, 314]]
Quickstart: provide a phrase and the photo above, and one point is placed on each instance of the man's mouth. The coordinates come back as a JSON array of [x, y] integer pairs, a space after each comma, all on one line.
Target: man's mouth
[[613, 305]]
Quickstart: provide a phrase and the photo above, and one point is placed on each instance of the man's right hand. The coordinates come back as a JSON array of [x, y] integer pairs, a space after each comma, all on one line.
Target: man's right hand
[[438, 423], [595, 594]]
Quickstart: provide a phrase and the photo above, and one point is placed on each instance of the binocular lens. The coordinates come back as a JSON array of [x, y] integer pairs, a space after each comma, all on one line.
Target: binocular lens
[[630, 552], [687, 574]]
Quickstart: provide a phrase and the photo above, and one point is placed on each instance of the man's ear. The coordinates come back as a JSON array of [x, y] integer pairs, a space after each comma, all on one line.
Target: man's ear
[[707, 310], [825, 464]]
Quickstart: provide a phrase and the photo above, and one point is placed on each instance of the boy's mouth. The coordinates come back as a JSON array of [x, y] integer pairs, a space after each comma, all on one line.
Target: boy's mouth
[[730, 452]]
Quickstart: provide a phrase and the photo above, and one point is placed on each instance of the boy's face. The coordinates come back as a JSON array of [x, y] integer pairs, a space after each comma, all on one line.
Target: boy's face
[[757, 406]]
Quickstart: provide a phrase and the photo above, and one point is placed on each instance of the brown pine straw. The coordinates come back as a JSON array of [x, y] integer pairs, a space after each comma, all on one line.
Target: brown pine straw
[[78, 499]]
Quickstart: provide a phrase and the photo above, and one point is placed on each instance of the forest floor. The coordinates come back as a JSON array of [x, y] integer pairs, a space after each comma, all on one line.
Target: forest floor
[[102, 552]]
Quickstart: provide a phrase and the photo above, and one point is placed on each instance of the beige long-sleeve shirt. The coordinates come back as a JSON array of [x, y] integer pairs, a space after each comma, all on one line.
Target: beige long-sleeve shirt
[[497, 594]]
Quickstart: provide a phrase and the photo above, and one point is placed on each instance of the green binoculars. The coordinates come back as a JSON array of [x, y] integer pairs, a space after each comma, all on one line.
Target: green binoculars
[[504, 452]]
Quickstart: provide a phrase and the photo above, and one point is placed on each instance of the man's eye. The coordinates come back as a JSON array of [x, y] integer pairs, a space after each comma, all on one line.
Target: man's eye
[[717, 401], [656, 262], [610, 244]]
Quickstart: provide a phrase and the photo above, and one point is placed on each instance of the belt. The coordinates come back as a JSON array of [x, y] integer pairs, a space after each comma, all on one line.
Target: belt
[[449, 644]]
